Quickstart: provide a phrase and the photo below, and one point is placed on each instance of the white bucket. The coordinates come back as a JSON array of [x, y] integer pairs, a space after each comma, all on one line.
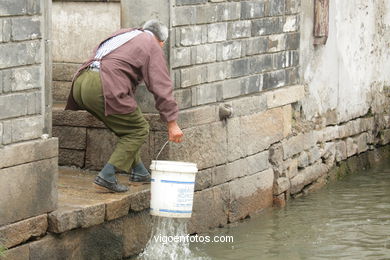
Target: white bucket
[[172, 188]]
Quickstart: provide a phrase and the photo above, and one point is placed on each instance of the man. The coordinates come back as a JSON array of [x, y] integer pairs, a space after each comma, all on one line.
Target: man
[[105, 87]]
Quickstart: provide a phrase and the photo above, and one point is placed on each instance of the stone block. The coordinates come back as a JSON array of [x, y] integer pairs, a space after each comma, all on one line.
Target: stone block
[[330, 133], [276, 154], [281, 185], [254, 84], [117, 208], [198, 149], [277, 7], [230, 171], [6, 28], [286, 59], [33, 194], [251, 10], [292, 41], [257, 163], [250, 194], [13, 105], [11, 7], [17, 253], [361, 142], [367, 124], [217, 32], [204, 53], [7, 132], [64, 71], [245, 106], [19, 232], [137, 230], [284, 96], [228, 11], [232, 88], [314, 154], [140, 201], [198, 116], [181, 57], [239, 29], [307, 176], [27, 128], [206, 14], [292, 6], [292, 75], [81, 216], [22, 78], [274, 79], [228, 50], [26, 152], [61, 90], [260, 63], [26, 28], [218, 71], [191, 35], [205, 94], [183, 98], [71, 157], [34, 100], [293, 145], [193, 76], [276, 43], [350, 128], [75, 118], [30, 49], [235, 150], [259, 131], [100, 145], [291, 168], [104, 241], [341, 151], [184, 15], [267, 26], [309, 140], [256, 45], [210, 209], [291, 24], [352, 147], [239, 68], [33, 7], [71, 137], [204, 179]]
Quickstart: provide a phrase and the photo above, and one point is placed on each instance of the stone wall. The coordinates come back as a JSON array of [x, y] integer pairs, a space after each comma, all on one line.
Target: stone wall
[[283, 138], [28, 156]]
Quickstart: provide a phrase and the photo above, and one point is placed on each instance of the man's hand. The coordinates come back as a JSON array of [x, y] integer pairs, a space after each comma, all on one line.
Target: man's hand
[[174, 132]]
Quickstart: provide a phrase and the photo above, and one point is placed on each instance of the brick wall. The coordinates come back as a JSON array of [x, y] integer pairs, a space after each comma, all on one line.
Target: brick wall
[[226, 49], [21, 70], [25, 112]]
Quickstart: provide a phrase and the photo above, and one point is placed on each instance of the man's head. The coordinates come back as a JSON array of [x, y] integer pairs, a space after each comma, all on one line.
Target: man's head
[[159, 30]]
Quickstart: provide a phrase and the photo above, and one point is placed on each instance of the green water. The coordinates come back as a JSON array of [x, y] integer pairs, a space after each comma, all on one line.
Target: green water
[[348, 219]]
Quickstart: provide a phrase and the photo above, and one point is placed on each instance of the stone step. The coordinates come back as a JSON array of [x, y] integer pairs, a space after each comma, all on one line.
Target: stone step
[[81, 204]]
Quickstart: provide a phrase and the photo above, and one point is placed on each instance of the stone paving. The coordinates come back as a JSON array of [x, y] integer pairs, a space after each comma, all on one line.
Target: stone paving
[[81, 204]]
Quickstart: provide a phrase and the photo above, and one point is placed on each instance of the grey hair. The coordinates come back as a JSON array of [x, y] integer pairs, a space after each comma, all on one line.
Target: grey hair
[[158, 29]]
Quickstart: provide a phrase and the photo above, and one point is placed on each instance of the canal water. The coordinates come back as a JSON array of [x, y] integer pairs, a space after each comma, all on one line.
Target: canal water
[[347, 219]]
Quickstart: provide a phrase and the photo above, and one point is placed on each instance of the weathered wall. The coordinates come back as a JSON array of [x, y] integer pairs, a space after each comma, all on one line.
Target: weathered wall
[[28, 164], [78, 26], [344, 76]]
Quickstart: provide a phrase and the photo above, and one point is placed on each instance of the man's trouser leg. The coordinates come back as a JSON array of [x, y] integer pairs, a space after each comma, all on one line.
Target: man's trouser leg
[[132, 128]]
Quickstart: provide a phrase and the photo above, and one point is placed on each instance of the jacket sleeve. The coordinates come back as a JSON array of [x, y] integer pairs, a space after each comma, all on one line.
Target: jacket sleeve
[[158, 81]]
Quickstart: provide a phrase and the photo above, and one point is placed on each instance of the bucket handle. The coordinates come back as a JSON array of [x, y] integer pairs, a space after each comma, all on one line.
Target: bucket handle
[[162, 149]]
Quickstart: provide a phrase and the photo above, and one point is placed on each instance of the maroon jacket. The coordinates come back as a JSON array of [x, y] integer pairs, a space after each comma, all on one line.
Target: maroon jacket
[[124, 68]]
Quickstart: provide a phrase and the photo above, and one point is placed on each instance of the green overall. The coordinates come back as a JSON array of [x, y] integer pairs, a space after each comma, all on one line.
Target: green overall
[[132, 129]]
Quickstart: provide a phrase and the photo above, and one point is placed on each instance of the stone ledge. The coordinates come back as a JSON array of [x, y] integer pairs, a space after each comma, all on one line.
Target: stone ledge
[[285, 95], [26, 152], [81, 205]]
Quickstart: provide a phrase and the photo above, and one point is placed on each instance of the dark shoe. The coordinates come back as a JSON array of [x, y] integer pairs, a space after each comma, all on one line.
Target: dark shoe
[[110, 186], [139, 180]]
